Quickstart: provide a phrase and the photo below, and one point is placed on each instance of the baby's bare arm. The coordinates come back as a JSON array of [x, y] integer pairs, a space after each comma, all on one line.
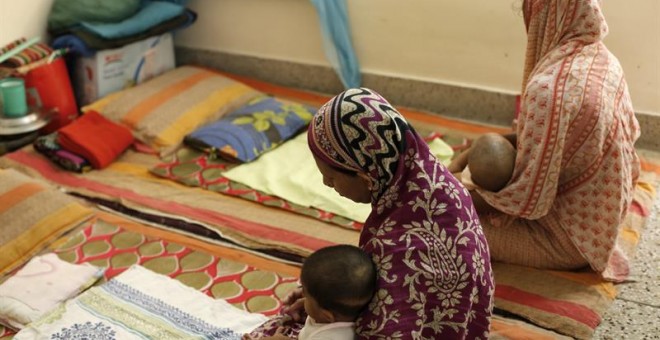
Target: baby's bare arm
[[459, 162]]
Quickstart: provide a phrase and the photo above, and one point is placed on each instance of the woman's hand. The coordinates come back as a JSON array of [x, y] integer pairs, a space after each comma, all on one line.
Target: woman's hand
[[294, 305], [480, 204]]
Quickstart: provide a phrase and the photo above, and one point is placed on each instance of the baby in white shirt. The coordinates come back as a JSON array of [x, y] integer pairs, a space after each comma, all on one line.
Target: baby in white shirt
[[337, 284]]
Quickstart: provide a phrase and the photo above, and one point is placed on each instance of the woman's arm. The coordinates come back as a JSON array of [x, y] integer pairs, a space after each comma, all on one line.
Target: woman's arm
[[512, 138], [480, 204]]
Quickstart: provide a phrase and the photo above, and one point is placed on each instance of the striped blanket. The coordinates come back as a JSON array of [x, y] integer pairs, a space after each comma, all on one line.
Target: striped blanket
[[32, 214], [563, 302]]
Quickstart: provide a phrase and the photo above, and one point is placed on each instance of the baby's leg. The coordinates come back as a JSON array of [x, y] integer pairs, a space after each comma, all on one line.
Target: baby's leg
[[491, 161]]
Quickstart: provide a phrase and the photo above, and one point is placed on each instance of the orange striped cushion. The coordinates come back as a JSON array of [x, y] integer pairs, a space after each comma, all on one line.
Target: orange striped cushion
[[161, 111], [32, 215]]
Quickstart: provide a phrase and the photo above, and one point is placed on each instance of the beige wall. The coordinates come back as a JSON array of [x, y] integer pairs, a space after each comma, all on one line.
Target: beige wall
[[23, 18], [474, 43]]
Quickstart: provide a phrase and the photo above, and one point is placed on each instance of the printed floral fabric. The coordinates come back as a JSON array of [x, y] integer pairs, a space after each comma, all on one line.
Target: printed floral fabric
[[142, 304], [435, 279], [576, 162], [259, 126]]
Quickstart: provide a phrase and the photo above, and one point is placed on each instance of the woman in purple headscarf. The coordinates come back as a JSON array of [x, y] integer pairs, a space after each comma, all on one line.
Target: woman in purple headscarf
[[423, 234], [434, 274]]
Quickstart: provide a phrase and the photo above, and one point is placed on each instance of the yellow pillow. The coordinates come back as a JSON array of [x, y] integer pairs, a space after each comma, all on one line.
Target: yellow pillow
[[161, 111]]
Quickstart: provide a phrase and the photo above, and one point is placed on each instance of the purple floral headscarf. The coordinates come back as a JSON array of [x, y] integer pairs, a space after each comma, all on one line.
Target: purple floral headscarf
[[435, 279]]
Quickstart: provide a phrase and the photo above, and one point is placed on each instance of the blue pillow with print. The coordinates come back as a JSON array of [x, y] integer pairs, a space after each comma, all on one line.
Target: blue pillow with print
[[260, 125]]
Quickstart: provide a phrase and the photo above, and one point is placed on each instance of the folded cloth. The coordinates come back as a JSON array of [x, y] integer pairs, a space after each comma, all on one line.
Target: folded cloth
[[40, 286], [66, 13], [152, 14], [139, 303], [48, 146], [441, 150], [74, 45], [95, 138], [96, 42], [289, 172], [81, 42]]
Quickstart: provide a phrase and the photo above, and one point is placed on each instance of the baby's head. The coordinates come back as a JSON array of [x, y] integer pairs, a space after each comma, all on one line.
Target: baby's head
[[338, 282], [491, 161]]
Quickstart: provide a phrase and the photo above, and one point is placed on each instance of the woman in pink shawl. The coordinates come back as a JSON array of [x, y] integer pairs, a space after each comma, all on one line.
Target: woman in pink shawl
[[576, 167], [435, 280]]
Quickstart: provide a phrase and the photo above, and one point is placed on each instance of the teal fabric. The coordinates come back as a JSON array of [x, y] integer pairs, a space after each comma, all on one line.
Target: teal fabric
[[337, 41], [67, 13], [152, 14]]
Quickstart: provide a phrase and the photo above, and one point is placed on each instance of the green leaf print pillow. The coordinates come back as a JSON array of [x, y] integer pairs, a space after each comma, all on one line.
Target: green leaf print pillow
[[258, 126]]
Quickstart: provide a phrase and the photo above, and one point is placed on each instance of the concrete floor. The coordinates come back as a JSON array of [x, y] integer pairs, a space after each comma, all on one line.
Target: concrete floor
[[635, 313]]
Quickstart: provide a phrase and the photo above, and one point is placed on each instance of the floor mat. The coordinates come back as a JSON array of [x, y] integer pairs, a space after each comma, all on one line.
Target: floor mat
[[565, 302]]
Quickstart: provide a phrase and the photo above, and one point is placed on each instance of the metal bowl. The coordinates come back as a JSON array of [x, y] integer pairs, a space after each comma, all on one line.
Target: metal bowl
[[8, 122], [32, 121]]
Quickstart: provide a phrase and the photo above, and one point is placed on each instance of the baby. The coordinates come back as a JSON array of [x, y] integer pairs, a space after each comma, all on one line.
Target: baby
[[490, 161], [337, 283]]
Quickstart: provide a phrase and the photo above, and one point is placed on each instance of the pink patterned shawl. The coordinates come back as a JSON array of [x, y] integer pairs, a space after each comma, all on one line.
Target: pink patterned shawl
[[576, 162], [435, 279]]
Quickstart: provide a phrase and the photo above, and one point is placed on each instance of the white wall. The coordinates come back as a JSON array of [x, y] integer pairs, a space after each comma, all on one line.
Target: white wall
[[23, 18], [474, 43]]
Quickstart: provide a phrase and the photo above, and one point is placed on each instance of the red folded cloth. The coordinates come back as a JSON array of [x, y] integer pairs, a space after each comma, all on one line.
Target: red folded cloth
[[95, 138]]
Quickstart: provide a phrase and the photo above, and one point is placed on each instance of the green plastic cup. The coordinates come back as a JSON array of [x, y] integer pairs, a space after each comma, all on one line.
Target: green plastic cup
[[12, 93]]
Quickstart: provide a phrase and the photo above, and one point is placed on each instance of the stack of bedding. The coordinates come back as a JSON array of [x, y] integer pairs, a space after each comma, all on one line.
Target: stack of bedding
[[247, 196]]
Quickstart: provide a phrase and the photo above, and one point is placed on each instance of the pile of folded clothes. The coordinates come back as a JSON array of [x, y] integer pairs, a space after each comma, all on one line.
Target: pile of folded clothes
[[87, 26], [90, 142]]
